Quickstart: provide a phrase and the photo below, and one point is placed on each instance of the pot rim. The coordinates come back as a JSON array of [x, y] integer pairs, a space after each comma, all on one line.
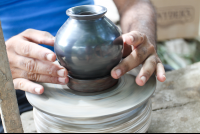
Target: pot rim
[[86, 12]]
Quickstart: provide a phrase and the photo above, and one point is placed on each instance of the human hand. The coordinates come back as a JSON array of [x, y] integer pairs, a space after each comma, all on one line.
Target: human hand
[[140, 52], [32, 62]]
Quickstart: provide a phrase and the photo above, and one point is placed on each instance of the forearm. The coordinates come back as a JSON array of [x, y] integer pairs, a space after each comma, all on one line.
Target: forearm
[[138, 23], [138, 15]]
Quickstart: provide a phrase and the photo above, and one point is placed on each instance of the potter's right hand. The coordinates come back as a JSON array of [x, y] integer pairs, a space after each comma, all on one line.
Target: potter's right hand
[[32, 62]]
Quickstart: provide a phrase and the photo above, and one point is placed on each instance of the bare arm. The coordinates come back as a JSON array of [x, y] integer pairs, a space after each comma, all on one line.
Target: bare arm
[[138, 23], [138, 15]]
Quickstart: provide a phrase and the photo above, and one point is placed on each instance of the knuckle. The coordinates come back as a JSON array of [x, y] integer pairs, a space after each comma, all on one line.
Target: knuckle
[[148, 73], [139, 57], [8, 46], [40, 41], [20, 84], [30, 65], [153, 63], [28, 31], [26, 49], [50, 70], [142, 50], [152, 48], [158, 59], [33, 76], [142, 37], [135, 35], [46, 34]]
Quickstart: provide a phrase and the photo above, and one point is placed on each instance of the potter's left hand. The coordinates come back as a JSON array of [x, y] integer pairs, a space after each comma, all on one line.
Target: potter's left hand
[[143, 52]]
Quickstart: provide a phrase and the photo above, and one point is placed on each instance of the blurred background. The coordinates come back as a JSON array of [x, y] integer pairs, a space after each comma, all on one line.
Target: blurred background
[[177, 29]]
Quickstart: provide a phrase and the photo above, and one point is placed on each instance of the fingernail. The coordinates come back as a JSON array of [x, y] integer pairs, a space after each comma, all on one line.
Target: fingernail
[[61, 72], [50, 57], [143, 78], [164, 76], [132, 39], [38, 90], [62, 80], [118, 72]]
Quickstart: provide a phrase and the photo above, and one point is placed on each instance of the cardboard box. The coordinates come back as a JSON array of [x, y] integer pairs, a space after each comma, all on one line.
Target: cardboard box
[[177, 18]]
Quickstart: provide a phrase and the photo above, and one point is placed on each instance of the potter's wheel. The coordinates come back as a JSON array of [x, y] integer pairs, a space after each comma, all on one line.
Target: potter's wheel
[[124, 108]]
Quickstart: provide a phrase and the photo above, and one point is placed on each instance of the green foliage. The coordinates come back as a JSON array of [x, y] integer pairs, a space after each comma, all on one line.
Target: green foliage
[[175, 57]]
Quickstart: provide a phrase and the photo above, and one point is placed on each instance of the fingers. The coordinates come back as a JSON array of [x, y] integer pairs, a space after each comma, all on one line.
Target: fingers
[[39, 37], [133, 60], [151, 64], [18, 73], [134, 38], [147, 70], [30, 61], [160, 72], [39, 66], [143, 52], [28, 86], [32, 50]]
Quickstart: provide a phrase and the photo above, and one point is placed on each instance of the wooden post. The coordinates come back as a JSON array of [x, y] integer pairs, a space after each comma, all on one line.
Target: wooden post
[[8, 103]]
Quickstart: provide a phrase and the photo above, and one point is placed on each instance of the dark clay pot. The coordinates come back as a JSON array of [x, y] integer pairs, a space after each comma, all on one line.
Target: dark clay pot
[[88, 45]]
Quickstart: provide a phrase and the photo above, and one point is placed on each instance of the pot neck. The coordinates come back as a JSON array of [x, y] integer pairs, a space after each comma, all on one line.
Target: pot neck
[[86, 12]]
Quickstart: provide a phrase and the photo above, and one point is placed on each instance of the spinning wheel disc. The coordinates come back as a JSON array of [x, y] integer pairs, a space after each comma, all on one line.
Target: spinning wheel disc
[[124, 108], [60, 101]]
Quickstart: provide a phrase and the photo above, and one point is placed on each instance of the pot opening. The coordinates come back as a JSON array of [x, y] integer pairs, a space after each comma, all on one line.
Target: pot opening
[[86, 12]]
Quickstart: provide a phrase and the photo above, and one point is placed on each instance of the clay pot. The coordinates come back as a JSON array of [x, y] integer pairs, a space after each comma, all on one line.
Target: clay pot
[[88, 44]]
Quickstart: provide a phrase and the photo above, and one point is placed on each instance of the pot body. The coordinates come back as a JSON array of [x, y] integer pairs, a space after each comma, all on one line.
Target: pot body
[[89, 49]]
